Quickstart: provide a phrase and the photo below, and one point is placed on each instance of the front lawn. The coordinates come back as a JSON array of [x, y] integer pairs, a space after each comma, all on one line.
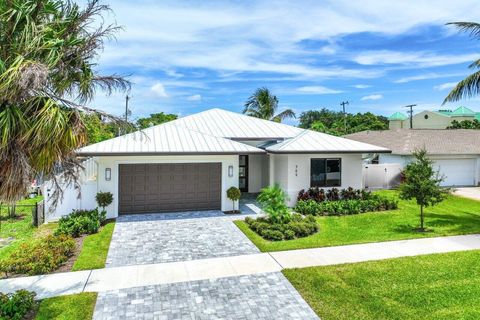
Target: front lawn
[[77, 306], [95, 249], [441, 286], [14, 232], [454, 216]]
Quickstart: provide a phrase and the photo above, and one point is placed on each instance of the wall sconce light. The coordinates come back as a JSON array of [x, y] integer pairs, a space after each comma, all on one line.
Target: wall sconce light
[[230, 171], [108, 174]]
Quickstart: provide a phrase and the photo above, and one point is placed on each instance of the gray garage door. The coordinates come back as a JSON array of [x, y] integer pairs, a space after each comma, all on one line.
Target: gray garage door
[[169, 187]]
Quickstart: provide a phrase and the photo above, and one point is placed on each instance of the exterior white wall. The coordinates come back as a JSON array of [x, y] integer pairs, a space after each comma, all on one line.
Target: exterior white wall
[[72, 198], [292, 172], [256, 169], [113, 163]]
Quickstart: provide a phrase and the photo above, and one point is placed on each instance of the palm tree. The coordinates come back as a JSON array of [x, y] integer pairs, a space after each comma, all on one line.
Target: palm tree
[[48, 74], [470, 86], [263, 104]]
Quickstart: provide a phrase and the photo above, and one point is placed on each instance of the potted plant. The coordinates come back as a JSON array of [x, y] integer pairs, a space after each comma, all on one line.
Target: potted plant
[[233, 193]]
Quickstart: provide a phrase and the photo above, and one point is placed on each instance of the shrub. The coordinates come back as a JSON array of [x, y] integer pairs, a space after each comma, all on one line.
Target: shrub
[[14, 306], [234, 194], [80, 222], [320, 195], [346, 207], [104, 199], [42, 256], [298, 227], [273, 202]]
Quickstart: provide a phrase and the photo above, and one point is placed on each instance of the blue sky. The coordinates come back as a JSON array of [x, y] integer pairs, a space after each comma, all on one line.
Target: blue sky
[[188, 56]]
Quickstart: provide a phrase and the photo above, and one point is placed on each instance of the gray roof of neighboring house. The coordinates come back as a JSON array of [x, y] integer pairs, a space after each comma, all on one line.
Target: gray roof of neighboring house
[[218, 131], [439, 142]]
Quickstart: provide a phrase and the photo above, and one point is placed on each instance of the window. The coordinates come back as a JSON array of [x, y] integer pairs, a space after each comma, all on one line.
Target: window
[[426, 117], [325, 172]]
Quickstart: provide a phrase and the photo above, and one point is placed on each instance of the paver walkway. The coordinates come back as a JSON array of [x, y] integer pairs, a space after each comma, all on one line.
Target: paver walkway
[[169, 237]]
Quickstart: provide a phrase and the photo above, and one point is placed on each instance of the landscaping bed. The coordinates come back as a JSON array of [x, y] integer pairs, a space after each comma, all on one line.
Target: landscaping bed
[[298, 227], [440, 286], [453, 216]]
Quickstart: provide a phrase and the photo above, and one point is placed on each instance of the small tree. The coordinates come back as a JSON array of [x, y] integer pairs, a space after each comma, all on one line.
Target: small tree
[[273, 201], [104, 199], [422, 183], [234, 194]]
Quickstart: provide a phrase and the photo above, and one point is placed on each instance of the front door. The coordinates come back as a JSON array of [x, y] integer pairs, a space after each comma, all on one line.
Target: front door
[[243, 173]]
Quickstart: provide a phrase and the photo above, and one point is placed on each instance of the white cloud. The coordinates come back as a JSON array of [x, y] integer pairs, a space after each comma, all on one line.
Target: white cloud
[[159, 90], [317, 90], [361, 86], [445, 86], [428, 76], [372, 97], [195, 97], [422, 59]]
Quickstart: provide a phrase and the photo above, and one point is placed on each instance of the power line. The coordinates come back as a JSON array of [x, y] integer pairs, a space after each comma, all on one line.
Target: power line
[[343, 104], [411, 113]]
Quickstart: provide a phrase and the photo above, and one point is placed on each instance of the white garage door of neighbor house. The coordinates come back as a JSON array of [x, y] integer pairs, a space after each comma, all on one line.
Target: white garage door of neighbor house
[[457, 172]]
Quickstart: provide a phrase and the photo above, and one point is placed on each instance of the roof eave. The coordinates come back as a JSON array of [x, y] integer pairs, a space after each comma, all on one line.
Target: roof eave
[[328, 151], [112, 154]]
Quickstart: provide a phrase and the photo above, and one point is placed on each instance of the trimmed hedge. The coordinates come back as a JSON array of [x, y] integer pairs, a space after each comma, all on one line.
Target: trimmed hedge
[[39, 257], [80, 222], [298, 227], [15, 306], [345, 207]]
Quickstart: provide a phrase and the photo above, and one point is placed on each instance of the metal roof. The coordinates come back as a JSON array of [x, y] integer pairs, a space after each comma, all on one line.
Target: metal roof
[[435, 141], [462, 112], [397, 116], [167, 139], [315, 142], [227, 124]]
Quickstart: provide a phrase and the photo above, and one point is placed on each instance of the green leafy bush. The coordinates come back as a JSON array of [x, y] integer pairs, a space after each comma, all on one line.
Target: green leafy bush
[[39, 257], [297, 227], [104, 199], [319, 195], [14, 306], [273, 201], [234, 194], [346, 207], [80, 222]]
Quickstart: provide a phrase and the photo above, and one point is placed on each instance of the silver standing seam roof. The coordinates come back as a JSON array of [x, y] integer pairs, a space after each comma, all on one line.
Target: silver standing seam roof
[[219, 131]]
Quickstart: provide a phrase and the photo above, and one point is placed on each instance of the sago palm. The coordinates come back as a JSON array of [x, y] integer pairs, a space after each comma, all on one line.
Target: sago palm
[[47, 76], [470, 86], [263, 104]]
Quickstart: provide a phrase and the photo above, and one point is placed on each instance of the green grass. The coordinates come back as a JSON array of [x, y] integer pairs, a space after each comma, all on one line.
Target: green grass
[[72, 307], [454, 216], [441, 286], [95, 249], [21, 228]]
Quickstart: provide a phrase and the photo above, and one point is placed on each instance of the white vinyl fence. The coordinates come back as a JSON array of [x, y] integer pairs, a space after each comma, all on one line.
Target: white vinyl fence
[[381, 176], [72, 199]]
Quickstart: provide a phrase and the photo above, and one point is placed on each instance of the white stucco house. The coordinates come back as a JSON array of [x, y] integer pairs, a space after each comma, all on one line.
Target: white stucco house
[[456, 153], [189, 163]]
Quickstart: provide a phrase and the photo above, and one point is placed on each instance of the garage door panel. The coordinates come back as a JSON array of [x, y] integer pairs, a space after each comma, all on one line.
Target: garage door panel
[[457, 172], [169, 187]]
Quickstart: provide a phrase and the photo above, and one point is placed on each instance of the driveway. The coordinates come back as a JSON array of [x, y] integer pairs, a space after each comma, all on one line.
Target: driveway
[[159, 238], [260, 296], [470, 192]]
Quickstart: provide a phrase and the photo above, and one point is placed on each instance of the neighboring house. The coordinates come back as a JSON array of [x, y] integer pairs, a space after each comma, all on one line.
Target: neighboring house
[[456, 153], [440, 119], [189, 163]]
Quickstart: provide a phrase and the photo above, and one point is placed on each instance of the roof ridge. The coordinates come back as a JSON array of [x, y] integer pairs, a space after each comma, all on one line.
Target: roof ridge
[[288, 141]]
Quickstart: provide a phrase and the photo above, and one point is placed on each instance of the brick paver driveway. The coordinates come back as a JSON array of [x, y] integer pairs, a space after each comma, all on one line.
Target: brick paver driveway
[[160, 238], [168, 237], [260, 296]]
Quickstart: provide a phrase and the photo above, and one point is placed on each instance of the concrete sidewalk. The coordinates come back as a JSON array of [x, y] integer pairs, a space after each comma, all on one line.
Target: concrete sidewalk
[[101, 280]]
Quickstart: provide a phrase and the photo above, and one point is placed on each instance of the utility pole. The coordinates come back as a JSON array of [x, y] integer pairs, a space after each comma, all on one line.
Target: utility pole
[[411, 113], [127, 98], [343, 104]]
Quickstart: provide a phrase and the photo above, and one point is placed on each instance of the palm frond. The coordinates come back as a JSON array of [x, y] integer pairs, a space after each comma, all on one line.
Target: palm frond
[[288, 113], [467, 88], [472, 28]]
